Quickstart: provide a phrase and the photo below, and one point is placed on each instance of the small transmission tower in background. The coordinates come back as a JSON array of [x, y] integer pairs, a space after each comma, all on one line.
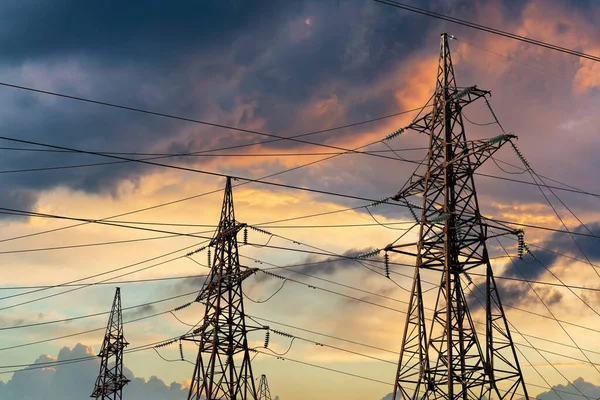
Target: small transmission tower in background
[[110, 382], [223, 369], [263, 389], [448, 361]]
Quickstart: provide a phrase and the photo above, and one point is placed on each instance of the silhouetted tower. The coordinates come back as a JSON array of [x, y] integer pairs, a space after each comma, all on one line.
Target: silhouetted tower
[[111, 380], [448, 361], [263, 389], [223, 369]]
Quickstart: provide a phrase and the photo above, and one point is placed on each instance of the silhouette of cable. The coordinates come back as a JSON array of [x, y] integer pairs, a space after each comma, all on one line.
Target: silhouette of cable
[[487, 29]]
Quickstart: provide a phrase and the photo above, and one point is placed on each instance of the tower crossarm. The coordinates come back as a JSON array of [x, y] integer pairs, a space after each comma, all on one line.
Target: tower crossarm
[[227, 233], [476, 151], [233, 278], [449, 359], [461, 98]]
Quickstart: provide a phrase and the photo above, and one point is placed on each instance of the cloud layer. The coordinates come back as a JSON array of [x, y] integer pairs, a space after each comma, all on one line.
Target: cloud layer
[[76, 381]]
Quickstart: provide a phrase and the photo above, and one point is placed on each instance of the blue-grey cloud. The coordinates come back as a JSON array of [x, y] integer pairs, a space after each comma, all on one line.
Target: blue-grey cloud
[[546, 257], [571, 391], [76, 381]]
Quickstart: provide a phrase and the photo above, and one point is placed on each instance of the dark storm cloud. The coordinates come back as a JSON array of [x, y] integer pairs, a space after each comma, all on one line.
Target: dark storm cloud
[[150, 30], [183, 60], [317, 266], [140, 311], [206, 61], [513, 293]]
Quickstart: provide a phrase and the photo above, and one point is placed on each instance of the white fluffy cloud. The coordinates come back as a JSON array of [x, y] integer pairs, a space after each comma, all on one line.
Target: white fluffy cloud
[[76, 381]]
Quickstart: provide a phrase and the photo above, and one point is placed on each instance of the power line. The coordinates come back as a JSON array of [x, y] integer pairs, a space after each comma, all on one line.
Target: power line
[[325, 368], [196, 121], [77, 246], [205, 153], [524, 64], [489, 30], [79, 317], [166, 278], [96, 275]]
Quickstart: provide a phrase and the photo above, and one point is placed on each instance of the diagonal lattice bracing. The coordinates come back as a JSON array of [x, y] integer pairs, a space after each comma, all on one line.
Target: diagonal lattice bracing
[[110, 382], [442, 357], [223, 370], [263, 389]]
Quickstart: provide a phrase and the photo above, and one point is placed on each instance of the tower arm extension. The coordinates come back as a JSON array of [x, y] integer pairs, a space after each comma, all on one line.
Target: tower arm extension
[[224, 234], [237, 278], [462, 98], [478, 151]]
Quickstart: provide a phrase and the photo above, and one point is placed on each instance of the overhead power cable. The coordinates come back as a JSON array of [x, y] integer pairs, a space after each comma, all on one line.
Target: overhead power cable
[[97, 275], [514, 60], [488, 29], [196, 121], [205, 153], [85, 316]]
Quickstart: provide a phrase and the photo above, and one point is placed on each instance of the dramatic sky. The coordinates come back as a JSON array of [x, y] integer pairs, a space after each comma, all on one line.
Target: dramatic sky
[[284, 68]]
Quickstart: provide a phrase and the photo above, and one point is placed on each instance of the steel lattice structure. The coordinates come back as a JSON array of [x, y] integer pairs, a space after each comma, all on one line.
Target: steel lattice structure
[[448, 361], [263, 389], [111, 380], [223, 369]]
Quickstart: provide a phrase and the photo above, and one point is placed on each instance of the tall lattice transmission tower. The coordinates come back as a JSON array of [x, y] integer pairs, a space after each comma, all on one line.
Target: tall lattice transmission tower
[[111, 380], [448, 361], [263, 389], [223, 369]]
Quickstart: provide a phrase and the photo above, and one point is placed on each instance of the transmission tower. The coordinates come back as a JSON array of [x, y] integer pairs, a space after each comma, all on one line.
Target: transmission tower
[[111, 380], [223, 369], [263, 389], [449, 361]]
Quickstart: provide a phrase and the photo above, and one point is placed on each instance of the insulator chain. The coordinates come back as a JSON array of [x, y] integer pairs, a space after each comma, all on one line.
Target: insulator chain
[[529, 251], [520, 155], [191, 253], [386, 259], [462, 93], [379, 202], [284, 334], [267, 338], [496, 139], [181, 307], [520, 244], [368, 254], [272, 274], [245, 235], [491, 110], [411, 208], [440, 219], [165, 344], [394, 134], [468, 277], [181, 350], [260, 230], [208, 256]]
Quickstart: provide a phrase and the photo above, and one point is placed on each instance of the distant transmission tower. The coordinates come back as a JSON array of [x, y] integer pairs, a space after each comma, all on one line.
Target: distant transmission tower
[[263, 389], [448, 361], [223, 369], [111, 380]]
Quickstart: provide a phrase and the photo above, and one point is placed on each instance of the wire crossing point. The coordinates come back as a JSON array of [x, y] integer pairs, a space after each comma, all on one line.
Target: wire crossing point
[[448, 360], [111, 380], [223, 369]]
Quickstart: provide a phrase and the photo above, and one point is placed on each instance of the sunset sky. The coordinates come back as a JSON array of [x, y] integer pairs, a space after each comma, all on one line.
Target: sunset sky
[[284, 68]]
